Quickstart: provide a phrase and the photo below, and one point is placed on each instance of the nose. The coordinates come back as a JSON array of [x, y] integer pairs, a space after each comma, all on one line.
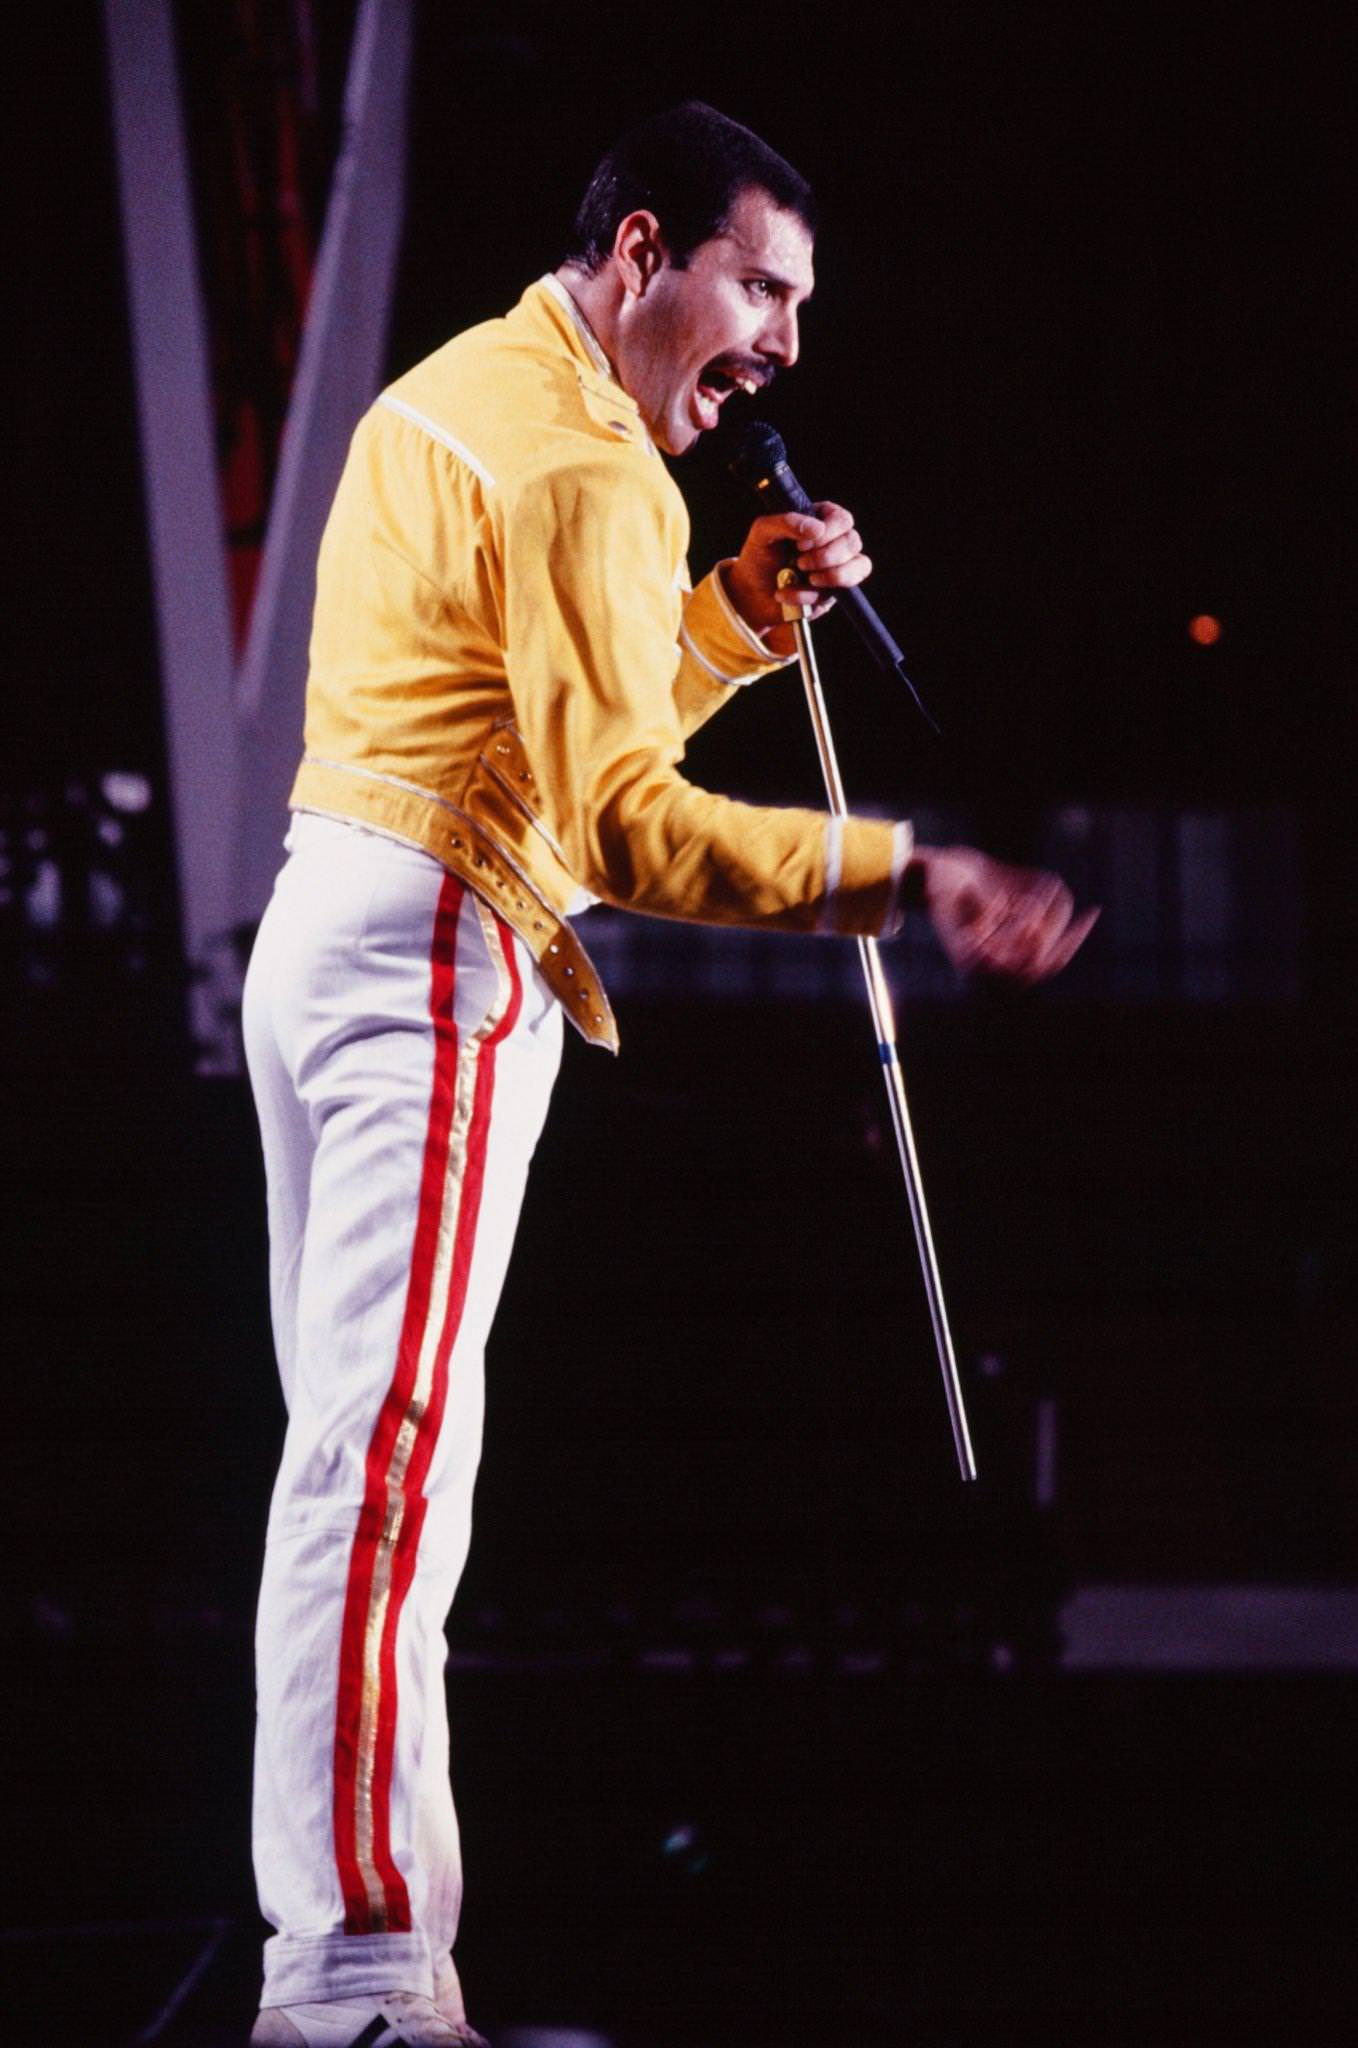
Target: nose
[[779, 338]]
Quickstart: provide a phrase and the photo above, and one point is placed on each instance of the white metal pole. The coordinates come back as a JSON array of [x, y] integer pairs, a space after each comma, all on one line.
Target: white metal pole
[[172, 362]]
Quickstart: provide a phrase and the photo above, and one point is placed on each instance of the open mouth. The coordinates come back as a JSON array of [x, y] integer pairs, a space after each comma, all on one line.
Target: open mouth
[[716, 384]]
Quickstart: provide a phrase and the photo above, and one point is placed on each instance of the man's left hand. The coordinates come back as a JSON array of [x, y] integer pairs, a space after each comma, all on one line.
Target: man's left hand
[[993, 919], [822, 546]]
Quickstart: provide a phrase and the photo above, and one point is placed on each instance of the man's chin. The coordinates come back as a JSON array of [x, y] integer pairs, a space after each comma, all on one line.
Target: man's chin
[[676, 437]]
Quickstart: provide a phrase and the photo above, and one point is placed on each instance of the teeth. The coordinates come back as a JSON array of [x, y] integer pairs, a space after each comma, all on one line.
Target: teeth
[[747, 384]]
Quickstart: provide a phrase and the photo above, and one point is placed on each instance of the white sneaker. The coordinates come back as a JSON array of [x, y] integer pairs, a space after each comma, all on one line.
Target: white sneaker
[[449, 2002], [395, 2017]]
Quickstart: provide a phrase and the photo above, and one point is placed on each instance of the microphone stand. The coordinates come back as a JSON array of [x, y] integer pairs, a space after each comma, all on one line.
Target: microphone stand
[[884, 1023]]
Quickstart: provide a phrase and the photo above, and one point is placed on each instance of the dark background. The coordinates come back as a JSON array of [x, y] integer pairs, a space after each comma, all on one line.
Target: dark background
[[764, 1729], [1078, 355]]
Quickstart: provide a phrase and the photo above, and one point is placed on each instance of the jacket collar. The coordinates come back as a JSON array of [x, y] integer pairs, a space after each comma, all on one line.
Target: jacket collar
[[549, 302], [578, 332]]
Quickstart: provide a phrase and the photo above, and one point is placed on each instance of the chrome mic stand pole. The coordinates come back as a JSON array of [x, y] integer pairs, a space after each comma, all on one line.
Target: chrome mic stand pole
[[884, 1023]]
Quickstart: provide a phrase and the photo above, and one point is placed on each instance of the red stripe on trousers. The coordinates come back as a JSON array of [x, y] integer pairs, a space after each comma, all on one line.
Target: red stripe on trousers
[[358, 1915], [426, 1439], [396, 1915]]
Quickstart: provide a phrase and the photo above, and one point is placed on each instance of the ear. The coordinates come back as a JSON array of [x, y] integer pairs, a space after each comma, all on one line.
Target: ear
[[639, 251]]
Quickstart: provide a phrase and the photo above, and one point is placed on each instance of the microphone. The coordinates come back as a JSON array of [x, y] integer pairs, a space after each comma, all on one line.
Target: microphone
[[761, 462]]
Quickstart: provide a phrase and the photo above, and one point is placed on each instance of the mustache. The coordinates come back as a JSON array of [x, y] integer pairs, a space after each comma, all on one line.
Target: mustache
[[739, 369]]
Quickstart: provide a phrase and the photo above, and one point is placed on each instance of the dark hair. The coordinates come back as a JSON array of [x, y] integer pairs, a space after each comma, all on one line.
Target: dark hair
[[688, 166]]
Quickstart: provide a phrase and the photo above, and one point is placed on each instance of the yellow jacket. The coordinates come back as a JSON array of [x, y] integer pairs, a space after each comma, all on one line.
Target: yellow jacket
[[506, 659]]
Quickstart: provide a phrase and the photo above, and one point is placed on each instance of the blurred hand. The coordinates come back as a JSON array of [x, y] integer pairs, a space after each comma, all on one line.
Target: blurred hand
[[994, 919], [825, 550]]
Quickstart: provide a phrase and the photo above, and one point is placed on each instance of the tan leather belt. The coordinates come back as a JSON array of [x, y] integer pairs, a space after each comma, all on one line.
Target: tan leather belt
[[469, 852]]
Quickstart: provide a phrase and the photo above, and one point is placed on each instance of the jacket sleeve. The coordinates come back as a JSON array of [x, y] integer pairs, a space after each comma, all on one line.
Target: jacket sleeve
[[591, 619], [718, 653]]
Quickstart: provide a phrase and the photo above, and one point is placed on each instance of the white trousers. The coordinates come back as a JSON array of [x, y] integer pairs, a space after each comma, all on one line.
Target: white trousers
[[402, 1048]]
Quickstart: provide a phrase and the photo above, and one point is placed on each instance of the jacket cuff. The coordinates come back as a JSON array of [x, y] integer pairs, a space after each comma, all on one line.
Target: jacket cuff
[[902, 846], [714, 633], [865, 864]]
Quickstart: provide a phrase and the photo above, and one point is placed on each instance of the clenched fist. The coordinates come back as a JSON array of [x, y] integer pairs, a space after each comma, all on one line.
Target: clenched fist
[[995, 919], [822, 545]]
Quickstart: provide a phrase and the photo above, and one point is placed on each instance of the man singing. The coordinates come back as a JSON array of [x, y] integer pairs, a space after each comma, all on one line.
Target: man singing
[[506, 660]]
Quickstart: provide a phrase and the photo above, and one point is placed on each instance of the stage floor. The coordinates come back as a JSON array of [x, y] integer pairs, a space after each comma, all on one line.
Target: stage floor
[[664, 1859]]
